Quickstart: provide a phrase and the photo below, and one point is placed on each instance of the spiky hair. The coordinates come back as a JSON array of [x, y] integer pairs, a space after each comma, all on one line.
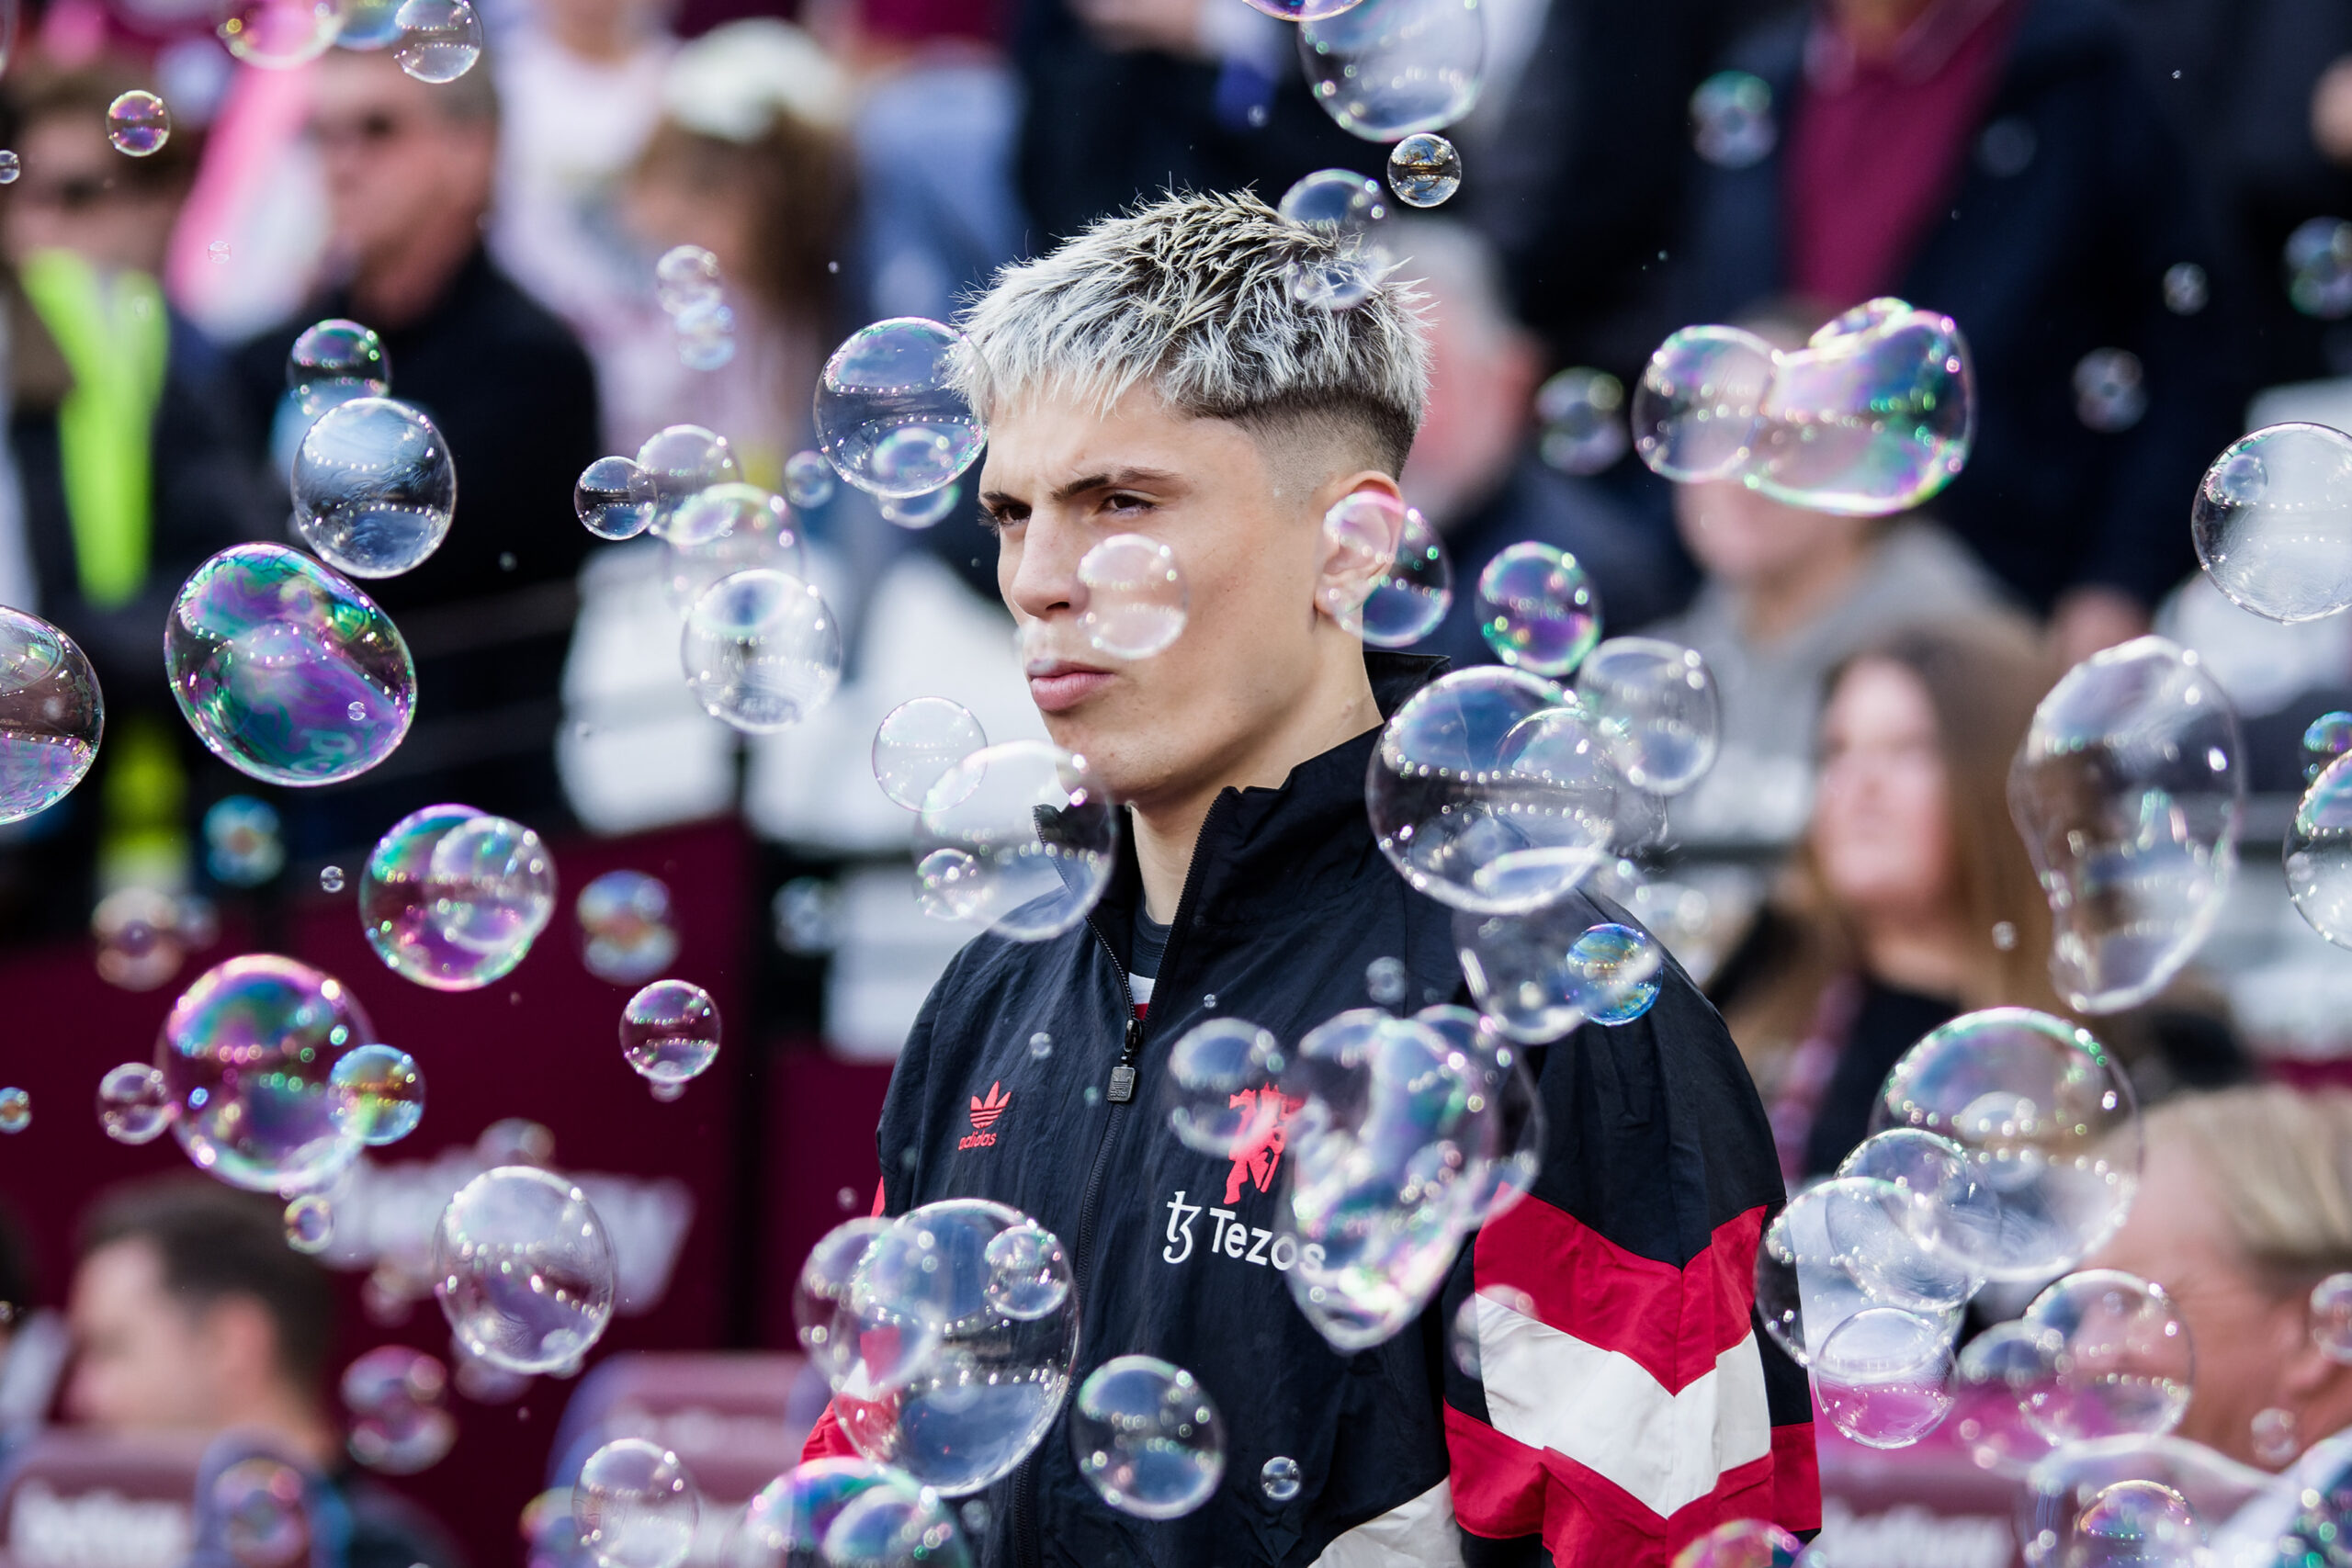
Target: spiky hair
[[1191, 293]]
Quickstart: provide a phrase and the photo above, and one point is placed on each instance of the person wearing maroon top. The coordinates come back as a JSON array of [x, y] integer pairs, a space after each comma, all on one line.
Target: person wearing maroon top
[[2001, 161]]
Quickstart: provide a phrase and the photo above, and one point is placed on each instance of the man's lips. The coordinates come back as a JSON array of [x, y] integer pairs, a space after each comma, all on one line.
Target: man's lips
[[1057, 685]]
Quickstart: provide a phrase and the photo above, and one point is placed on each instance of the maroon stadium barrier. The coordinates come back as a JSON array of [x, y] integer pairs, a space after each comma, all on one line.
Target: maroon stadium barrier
[[76, 1499]]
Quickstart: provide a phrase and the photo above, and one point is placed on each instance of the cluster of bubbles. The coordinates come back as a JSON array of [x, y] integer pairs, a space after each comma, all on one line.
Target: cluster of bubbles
[[626, 935], [51, 715], [524, 1271], [850, 1513], [1018, 838], [2128, 791], [669, 1035], [397, 1398], [1873, 415], [452, 898], [686, 286]]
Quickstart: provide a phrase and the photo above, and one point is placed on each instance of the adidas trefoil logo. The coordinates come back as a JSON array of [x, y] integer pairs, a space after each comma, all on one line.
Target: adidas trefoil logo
[[984, 1114]]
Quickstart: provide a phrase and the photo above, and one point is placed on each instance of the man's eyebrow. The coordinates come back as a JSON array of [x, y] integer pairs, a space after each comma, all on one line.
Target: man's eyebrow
[[1110, 479]]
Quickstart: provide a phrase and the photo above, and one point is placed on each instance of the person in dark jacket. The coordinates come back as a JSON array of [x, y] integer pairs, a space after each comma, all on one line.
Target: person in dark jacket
[[2000, 161], [488, 617], [1630, 1406]]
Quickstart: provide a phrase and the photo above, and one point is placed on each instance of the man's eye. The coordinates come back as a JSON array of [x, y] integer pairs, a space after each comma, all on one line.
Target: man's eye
[[1124, 503]]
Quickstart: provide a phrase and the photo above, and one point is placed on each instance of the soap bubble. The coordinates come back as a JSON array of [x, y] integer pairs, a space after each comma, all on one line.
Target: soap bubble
[[1346, 206], [887, 417], [1731, 120], [2135, 1524], [2326, 738], [2319, 268], [917, 512], [2128, 791], [2185, 288], [1278, 1478], [2111, 390], [1148, 1438], [1698, 408], [1499, 1133], [379, 1094], [634, 1504], [626, 932], [2275, 1437], [2045, 1119], [684, 460], [1386, 69], [335, 361], [1966, 1226], [762, 651], [1029, 1275], [15, 1110], [2318, 853], [1386, 981], [257, 1508], [51, 715], [1018, 837], [1503, 1305], [1303, 10], [719, 532], [523, 1269], [493, 885], [916, 744], [1885, 1377], [1488, 793], [242, 847], [670, 1031], [614, 498], [898, 1525], [1537, 609], [310, 1224], [785, 1524], [1135, 599], [827, 1327], [134, 1105], [964, 1413], [1424, 170], [1392, 546], [1843, 1247], [2009, 1368], [808, 480], [374, 488], [2272, 522], [1741, 1543], [329, 879], [285, 669], [10, 167], [2125, 1363], [439, 39], [2332, 1316], [142, 936], [247, 1053], [1875, 415], [399, 1419], [1654, 705], [1613, 973], [459, 923], [137, 122], [685, 276], [1581, 412], [1223, 1074], [276, 35]]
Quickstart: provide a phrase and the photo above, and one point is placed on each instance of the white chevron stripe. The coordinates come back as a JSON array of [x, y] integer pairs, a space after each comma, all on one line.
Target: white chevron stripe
[[1602, 1408], [1417, 1534]]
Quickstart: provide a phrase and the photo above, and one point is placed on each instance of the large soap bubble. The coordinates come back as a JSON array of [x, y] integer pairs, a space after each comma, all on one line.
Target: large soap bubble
[[762, 651], [2047, 1122], [51, 715], [1654, 704], [1136, 598], [1148, 1438], [1883, 1376], [1387, 69], [1538, 609], [1487, 792], [1391, 547], [523, 1269], [634, 1505], [374, 487], [2128, 790], [459, 920], [1018, 837], [335, 361], [2272, 522], [1844, 1246], [1698, 407], [493, 883], [248, 1053], [2125, 1359], [917, 742], [887, 418], [285, 669], [1873, 415], [682, 460], [379, 1094], [2318, 853], [783, 1526], [724, 529]]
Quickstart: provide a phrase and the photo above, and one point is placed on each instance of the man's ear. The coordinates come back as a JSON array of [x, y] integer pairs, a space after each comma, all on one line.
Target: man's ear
[[1362, 519]]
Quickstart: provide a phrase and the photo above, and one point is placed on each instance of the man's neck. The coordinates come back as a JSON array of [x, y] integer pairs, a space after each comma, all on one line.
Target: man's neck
[[400, 289], [1778, 603]]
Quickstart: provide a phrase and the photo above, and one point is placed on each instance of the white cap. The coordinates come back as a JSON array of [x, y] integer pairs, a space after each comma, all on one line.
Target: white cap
[[732, 81]]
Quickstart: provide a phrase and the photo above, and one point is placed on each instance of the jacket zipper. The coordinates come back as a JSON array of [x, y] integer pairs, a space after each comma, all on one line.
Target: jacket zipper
[[1027, 1550]]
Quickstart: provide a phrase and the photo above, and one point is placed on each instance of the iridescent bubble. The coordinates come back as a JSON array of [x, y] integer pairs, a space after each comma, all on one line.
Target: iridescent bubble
[[670, 1031], [2272, 522], [1613, 973], [248, 1052], [142, 936], [828, 1330], [2326, 738], [634, 1504], [2319, 268], [1498, 1133], [1386, 981], [10, 167], [402, 899], [439, 39], [523, 1269], [15, 1110], [1967, 1213], [269, 652], [2128, 791], [685, 276], [335, 361], [329, 879], [1041, 1045], [1520, 971], [2135, 1524], [2276, 1440], [276, 35], [2111, 390], [1019, 837], [684, 460], [888, 417], [369, 25], [1222, 1076], [379, 1094], [51, 715], [2045, 1119], [1391, 582], [626, 932], [2318, 852], [1278, 1478], [808, 480], [918, 512], [493, 885], [1875, 415], [614, 498], [1029, 1274], [1424, 170], [1885, 1377], [898, 1525], [1537, 609], [719, 532], [1581, 412], [310, 1224], [1698, 409], [762, 651], [242, 847], [2005, 1370], [374, 488], [1488, 793], [137, 122], [2332, 1316], [1655, 707], [1741, 1543], [1147, 1436], [399, 1419], [2125, 1363], [257, 1508], [1387, 69], [916, 744], [785, 1524], [1845, 1245], [1136, 598], [134, 1104], [1731, 120], [2185, 288], [1353, 211]]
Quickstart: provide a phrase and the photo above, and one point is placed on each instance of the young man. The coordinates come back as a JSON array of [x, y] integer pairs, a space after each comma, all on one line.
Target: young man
[[1155, 375]]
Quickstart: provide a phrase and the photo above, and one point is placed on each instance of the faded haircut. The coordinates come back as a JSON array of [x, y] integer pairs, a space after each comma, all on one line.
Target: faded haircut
[[1191, 294]]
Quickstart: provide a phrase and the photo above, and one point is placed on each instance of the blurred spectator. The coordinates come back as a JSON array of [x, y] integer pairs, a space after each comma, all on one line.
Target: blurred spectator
[[2000, 161], [748, 163], [1911, 899], [125, 435], [191, 1314], [1474, 472], [488, 617], [33, 1341]]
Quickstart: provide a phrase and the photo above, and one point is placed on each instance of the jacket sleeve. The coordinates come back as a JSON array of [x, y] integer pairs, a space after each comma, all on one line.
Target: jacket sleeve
[[1624, 1401]]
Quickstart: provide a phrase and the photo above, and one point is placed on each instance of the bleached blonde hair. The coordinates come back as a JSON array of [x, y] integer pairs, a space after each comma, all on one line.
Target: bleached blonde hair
[[1191, 294]]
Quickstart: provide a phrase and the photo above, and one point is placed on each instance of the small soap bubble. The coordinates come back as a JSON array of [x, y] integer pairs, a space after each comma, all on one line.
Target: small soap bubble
[[685, 276], [2272, 520], [2186, 289], [808, 480], [1394, 581], [670, 1031], [331, 879], [1386, 981], [134, 1106], [1279, 1479], [218, 250], [888, 418], [279, 35], [2276, 1440], [626, 930], [2325, 738], [2319, 268], [1424, 169], [846, 1199], [137, 122], [1655, 706], [334, 362], [379, 1094], [242, 847], [1613, 973], [1148, 1438], [2126, 1362], [916, 744], [51, 715], [762, 651], [142, 936], [681, 462], [1347, 205], [399, 1419], [247, 1053], [439, 39], [1041, 1045], [374, 487], [2318, 853], [2005, 936], [1386, 69], [15, 1110], [2111, 390], [523, 1270], [2332, 1316], [634, 1505], [1223, 1092], [1537, 609], [614, 498], [1019, 837], [1581, 412], [1029, 1275], [1741, 1543], [975, 1514], [10, 167], [310, 1224], [1731, 120], [1135, 599]]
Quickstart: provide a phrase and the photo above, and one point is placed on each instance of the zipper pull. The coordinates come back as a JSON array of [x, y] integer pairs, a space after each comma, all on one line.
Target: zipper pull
[[1122, 1076]]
